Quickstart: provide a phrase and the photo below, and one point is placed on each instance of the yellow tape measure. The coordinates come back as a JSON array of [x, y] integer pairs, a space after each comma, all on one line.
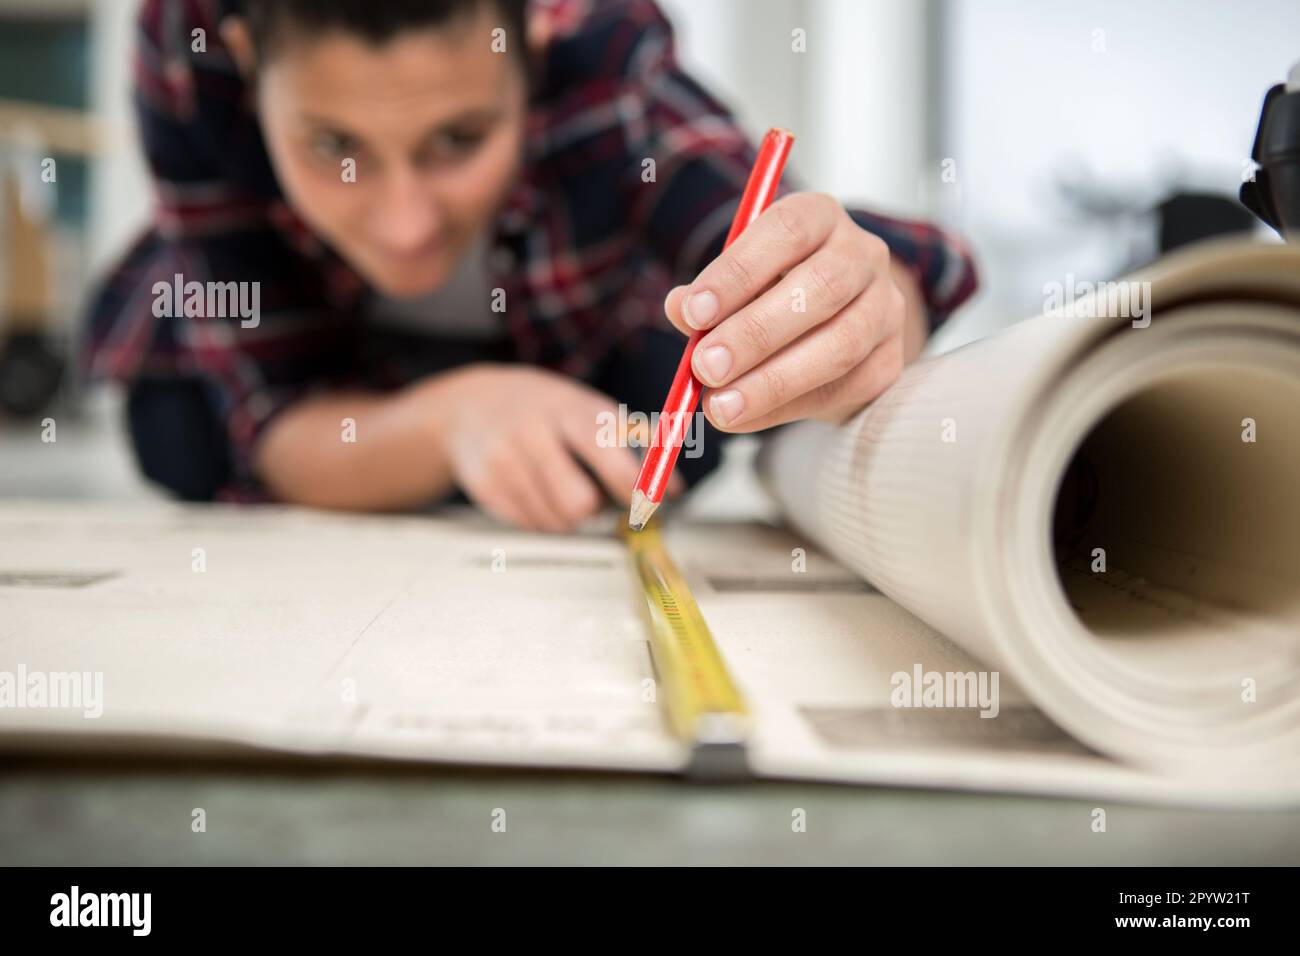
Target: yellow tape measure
[[703, 705]]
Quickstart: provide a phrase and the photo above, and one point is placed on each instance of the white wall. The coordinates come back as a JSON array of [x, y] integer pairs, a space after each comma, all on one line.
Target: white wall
[[855, 99], [120, 198], [1171, 99]]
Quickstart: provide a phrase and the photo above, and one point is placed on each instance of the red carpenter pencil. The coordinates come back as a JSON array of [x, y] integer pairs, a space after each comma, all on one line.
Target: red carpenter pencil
[[684, 395]]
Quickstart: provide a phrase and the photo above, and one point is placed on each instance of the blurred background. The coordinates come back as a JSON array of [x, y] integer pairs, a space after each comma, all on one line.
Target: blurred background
[[1074, 138]]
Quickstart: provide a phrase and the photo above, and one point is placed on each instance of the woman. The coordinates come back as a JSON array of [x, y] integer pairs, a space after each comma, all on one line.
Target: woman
[[459, 224]]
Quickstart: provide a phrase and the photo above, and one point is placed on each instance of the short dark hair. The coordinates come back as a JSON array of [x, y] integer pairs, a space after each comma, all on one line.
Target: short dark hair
[[377, 21]]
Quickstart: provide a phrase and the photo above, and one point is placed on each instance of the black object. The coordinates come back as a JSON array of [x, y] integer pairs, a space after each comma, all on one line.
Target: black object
[[30, 373], [1185, 218], [179, 439], [1274, 195]]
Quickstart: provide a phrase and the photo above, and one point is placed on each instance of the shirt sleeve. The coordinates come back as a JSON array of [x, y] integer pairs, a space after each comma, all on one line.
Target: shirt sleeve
[[212, 292], [702, 159]]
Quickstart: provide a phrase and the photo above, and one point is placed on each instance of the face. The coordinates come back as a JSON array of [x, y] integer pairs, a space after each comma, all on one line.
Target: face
[[434, 122]]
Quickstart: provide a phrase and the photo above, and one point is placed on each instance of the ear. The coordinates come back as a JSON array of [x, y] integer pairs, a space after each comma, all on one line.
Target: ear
[[238, 40], [541, 29]]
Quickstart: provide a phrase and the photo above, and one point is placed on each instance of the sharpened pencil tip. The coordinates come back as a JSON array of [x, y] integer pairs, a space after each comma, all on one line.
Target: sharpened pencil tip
[[642, 509]]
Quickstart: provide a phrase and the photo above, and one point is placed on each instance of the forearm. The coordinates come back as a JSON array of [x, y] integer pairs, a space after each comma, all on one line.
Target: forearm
[[359, 451]]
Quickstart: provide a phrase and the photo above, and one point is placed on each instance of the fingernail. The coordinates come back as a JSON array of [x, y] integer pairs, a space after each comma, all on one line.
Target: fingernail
[[715, 363], [699, 308], [727, 406]]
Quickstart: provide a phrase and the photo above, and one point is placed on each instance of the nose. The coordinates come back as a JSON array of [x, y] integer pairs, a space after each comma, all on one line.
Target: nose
[[405, 218]]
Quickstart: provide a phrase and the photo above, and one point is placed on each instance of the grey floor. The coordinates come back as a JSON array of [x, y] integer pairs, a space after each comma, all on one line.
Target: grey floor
[[59, 812], [106, 811]]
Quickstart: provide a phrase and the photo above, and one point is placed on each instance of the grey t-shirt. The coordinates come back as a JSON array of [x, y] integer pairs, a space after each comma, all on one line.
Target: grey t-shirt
[[460, 309]]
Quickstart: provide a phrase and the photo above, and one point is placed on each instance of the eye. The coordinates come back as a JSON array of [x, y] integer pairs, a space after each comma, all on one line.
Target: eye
[[463, 140], [333, 146], [451, 145]]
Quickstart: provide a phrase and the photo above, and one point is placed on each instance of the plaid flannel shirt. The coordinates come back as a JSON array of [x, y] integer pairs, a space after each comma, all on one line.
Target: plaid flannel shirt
[[584, 249]]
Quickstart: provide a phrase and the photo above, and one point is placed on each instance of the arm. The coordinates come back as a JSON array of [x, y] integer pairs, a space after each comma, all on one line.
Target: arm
[[530, 447], [360, 451]]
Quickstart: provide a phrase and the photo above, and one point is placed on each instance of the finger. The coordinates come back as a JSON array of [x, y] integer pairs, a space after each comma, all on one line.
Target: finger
[[811, 293], [673, 305], [837, 400], [496, 493], [786, 234], [824, 354], [571, 494], [526, 485], [501, 505], [615, 467], [673, 309]]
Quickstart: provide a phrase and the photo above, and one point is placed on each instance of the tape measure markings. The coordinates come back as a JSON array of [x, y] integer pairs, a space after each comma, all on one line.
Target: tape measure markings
[[703, 704]]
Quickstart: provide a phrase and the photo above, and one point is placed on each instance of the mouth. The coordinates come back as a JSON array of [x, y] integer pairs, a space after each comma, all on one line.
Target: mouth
[[413, 256]]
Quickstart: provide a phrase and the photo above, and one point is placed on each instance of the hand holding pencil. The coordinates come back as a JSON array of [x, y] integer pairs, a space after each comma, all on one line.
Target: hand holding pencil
[[803, 315]]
